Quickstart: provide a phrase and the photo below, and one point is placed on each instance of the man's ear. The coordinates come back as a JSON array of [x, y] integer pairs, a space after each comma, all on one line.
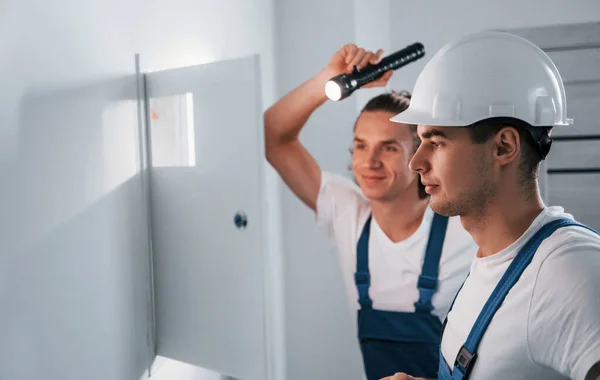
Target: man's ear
[[507, 145]]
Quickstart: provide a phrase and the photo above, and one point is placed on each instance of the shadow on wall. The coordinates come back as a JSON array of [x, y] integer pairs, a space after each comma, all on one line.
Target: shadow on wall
[[74, 274], [73, 277]]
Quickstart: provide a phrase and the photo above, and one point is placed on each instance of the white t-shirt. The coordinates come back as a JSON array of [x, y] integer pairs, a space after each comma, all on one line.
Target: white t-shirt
[[342, 212], [548, 326]]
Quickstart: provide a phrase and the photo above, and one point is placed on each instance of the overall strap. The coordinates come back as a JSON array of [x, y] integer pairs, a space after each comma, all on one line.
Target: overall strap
[[468, 352], [362, 278], [428, 280]]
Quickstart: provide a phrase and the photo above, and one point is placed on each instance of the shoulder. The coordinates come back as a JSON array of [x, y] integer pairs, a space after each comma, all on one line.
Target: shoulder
[[572, 243], [565, 301], [339, 183], [571, 254], [339, 194], [567, 255], [341, 205]]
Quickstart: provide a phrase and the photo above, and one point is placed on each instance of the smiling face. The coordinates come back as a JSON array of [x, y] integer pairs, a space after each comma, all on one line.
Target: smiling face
[[458, 173], [381, 152]]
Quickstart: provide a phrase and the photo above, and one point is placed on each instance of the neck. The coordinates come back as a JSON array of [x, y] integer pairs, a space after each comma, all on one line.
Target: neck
[[503, 220], [400, 217]]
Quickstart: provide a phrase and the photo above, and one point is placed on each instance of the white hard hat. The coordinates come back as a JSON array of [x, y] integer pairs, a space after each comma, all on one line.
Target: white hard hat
[[487, 75]]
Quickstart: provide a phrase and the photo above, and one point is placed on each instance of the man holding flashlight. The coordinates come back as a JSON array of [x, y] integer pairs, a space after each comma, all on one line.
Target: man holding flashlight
[[530, 307], [402, 264]]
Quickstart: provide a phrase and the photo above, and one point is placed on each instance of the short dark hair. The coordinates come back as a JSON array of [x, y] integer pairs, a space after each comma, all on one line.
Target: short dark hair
[[530, 158], [396, 102]]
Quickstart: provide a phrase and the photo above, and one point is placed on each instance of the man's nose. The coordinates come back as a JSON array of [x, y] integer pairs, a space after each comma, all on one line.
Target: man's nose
[[418, 163]]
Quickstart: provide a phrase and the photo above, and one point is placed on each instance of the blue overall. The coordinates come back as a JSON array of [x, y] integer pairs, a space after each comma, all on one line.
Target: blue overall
[[393, 341], [468, 353]]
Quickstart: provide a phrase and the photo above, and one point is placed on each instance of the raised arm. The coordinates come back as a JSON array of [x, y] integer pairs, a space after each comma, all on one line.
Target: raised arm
[[286, 118]]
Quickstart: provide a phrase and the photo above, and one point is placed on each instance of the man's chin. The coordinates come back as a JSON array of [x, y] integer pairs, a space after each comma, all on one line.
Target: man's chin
[[443, 208], [374, 194]]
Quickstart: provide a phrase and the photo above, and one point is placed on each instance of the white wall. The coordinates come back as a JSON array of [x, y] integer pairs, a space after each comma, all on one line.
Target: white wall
[[73, 270], [372, 32], [320, 333]]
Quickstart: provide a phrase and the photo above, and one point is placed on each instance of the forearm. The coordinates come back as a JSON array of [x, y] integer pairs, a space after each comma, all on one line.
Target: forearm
[[286, 118]]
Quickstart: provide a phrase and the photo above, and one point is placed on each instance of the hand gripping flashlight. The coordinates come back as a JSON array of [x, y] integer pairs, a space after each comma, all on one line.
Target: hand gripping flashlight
[[343, 85]]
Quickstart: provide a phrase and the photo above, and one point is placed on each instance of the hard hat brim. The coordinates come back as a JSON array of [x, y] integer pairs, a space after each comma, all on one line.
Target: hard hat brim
[[410, 116]]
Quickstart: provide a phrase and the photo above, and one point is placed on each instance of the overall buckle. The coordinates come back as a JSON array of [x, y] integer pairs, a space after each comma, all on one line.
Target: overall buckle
[[465, 360]]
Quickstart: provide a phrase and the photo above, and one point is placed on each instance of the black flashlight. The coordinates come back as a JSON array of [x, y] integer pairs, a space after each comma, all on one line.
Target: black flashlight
[[343, 85]]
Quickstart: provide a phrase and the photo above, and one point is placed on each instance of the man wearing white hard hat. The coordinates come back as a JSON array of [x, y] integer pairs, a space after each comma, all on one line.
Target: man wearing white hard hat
[[530, 307]]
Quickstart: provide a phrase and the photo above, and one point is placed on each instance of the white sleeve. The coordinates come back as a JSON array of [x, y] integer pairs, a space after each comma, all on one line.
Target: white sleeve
[[338, 198], [564, 319]]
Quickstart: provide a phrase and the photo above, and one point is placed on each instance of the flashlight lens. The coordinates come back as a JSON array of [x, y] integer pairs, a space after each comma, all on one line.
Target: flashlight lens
[[333, 90]]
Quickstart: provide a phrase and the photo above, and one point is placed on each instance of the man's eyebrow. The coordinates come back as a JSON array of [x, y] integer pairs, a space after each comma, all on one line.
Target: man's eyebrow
[[384, 142], [433, 132]]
